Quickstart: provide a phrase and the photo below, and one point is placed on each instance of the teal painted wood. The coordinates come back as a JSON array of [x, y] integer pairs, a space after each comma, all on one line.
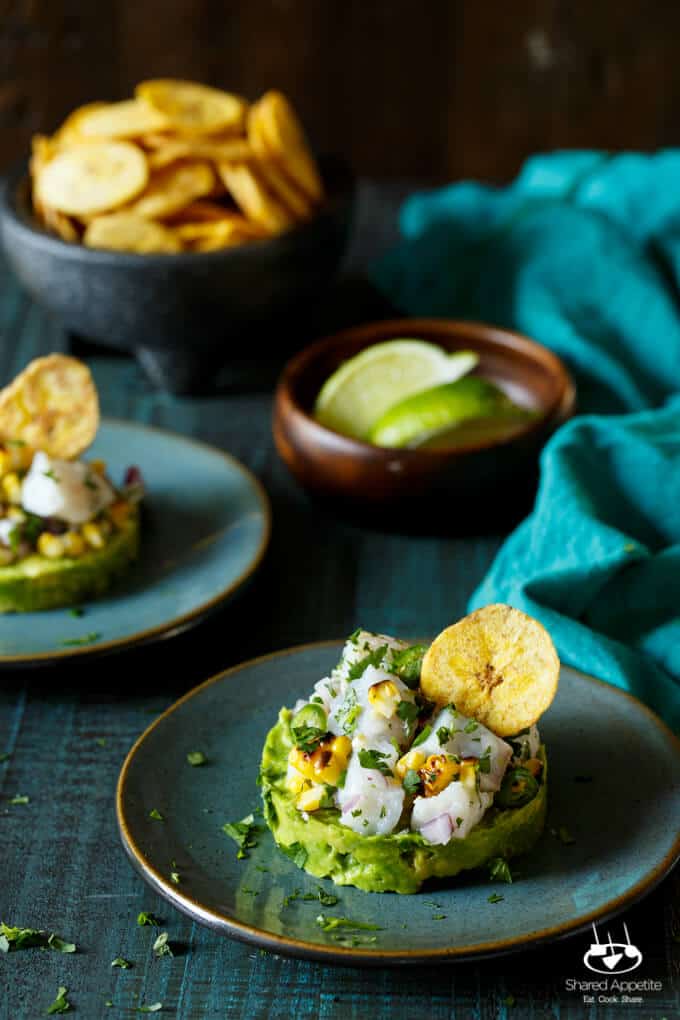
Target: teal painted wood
[[69, 728]]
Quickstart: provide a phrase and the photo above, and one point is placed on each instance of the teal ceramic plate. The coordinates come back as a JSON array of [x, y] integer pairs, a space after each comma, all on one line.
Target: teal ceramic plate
[[614, 768], [205, 530]]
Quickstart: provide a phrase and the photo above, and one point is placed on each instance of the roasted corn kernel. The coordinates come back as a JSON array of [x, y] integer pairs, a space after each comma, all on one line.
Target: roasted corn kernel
[[20, 456], [326, 763], [11, 486], [535, 766], [384, 698], [437, 773], [413, 759], [51, 546], [15, 513], [5, 460], [98, 466], [74, 544], [94, 535], [311, 798]]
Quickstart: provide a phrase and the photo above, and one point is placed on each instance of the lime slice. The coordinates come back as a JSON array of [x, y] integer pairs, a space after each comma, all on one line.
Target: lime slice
[[363, 388], [419, 418]]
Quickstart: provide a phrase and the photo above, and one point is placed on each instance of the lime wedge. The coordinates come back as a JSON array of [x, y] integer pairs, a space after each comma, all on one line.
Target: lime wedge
[[363, 388], [418, 419]]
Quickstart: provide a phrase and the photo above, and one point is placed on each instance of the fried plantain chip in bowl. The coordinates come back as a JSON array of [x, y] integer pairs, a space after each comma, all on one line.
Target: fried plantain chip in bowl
[[497, 665], [247, 188], [275, 129], [91, 178], [125, 231], [193, 108], [171, 189], [130, 118], [51, 406]]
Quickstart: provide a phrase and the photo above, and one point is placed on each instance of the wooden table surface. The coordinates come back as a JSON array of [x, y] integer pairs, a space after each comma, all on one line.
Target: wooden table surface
[[68, 729]]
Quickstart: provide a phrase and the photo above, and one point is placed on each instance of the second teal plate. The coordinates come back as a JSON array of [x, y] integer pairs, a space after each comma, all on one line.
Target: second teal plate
[[205, 531], [614, 774]]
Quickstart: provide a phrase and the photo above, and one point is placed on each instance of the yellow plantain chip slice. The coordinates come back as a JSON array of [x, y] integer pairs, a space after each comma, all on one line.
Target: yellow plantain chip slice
[[276, 129], [210, 235], [93, 177], [205, 211], [253, 199], [124, 231], [60, 224], [236, 149], [173, 188], [127, 119], [51, 406], [69, 132], [193, 108], [497, 665]]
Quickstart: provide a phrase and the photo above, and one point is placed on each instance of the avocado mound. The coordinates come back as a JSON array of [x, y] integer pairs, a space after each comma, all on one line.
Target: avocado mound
[[399, 862], [36, 582]]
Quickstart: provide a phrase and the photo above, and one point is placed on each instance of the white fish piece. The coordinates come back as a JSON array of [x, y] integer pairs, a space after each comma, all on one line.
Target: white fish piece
[[357, 715], [468, 738], [460, 802], [370, 803], [361, 644], [68, 490]]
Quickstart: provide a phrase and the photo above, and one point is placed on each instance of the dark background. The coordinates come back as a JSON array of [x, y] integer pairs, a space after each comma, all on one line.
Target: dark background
[[429, 89]]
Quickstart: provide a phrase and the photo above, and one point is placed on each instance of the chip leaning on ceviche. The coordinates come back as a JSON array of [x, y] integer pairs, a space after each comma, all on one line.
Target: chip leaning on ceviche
[[66, 531], [409, 762]]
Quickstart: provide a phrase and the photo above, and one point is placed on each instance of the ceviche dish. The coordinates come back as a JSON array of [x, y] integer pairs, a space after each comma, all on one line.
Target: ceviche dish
[[411, 762], [66, 530]]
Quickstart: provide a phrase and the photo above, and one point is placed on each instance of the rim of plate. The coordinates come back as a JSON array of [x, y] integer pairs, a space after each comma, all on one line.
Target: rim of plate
[[351, 956], [177, 624]]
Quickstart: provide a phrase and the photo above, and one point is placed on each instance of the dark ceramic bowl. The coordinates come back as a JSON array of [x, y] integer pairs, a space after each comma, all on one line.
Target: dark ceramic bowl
[[184, 314], [475, 486]]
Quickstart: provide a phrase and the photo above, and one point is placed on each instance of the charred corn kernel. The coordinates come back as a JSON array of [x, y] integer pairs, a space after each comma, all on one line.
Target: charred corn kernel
[[20, 456], [311, 799], [119, 512], [51, 546], [535, 766], [74, 544], [98, 466], [326, 763], [437, 773], [413, 759], [5, 460], [468, 771], [15, 513], [295, 781], [93, 535], [11, 486], [384, 697]]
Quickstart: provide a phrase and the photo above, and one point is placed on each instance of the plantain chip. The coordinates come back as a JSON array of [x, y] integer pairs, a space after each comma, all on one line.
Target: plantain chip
[[69, 132], [193, 108], [210, 235], [92, 177], [497, 665], [124, 231], [173, 188], [51, 406], [236, 149], [62, 225], [204, 211], [252, 197], [274, 129], [127, 119]]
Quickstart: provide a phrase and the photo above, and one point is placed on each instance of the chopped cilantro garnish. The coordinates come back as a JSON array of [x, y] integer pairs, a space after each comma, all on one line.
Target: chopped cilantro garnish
[[407, 664], [76, 611], [459, 821], [383, 811], [196, 758], [296, 852], [61, 1003], [412, 782], [499, 870], [439, 917], [146, 918], [90, 483], [356, 812], [495, 898], [121, 962], [316, 700], [327, 923], [408, 711], [24, 938], [175, 878], [243, 833], [307, 738], [373, 658], [349, 712], [326, 899], [354, 635], [470, 726], [51, 475], [443, 734], [422, 736], [155, 813], [155, 1007], [19, 798], [84, 639], [484, 763], [161, 946], [371, 759]]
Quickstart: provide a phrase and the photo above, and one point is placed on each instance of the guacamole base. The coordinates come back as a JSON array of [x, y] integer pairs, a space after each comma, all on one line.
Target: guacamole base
[[36, 582], [399, 862]]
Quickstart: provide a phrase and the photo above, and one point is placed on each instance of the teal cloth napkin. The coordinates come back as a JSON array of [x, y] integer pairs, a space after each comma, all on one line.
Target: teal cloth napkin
[[582, 252]]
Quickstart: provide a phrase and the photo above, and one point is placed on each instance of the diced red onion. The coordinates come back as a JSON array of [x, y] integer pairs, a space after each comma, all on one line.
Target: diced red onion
[[437, 830], [351, 803], [133, 476]]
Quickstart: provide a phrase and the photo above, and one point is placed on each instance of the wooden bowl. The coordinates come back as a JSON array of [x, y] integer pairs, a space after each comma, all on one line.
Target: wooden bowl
[[420, 489]]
